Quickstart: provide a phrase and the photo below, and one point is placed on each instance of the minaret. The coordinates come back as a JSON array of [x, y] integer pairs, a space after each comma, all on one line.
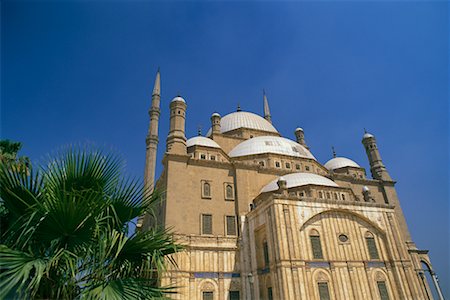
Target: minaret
[[152, 136], [377, 167], [300, 136], [176, 140], [266, 108], [215, 123]]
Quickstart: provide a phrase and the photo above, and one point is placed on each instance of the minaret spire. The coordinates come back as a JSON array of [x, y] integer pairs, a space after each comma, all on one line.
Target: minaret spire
[[266, 108], [152, 136], [334, 152], [157, 85]]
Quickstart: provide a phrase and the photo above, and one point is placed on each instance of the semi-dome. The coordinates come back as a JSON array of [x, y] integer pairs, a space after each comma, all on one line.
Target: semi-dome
[[243, 119], [201, 141], [340, 162], [178, 98], [270, 144], [299, 179]]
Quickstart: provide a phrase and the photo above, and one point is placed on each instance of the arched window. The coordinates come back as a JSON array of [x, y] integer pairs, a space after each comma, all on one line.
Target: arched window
[[229, 193], [372, 246], [328, 195], [206, 189], [316, 246], [335, 196], [320, 195], [343, 196]]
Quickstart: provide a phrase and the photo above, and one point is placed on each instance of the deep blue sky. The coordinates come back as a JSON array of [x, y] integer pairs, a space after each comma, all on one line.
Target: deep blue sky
[[83, 72]]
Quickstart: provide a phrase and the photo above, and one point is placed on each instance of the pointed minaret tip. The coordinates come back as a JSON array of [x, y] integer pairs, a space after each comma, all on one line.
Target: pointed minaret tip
[[334, 152], [157, 86], [266, 107]]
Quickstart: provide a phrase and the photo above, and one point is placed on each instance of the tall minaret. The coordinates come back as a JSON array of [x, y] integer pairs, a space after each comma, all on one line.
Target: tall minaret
[[266, 108], [152, 136], [377, 167]]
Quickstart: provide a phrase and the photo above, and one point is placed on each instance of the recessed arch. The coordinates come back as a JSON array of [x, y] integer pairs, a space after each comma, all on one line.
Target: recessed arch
[[374, 226], [208, 285]]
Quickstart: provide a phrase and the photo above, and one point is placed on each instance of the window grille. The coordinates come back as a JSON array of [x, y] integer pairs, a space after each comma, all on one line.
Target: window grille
[[234, 295], [208, 295], [206, 189], [229, 191], [206, 224], [382, 289], [324, 293], [316, 247], [231, 225], [269, 294], [373, 252]]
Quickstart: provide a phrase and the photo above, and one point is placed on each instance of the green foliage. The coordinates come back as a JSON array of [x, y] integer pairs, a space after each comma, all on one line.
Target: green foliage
[[65, 232], [8, 154]]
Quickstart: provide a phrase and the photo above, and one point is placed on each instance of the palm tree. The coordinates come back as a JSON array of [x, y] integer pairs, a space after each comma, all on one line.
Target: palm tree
[[66, 232]]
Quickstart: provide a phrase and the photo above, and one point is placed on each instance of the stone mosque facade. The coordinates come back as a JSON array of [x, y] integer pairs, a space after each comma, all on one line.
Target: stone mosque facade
[[261, 218]]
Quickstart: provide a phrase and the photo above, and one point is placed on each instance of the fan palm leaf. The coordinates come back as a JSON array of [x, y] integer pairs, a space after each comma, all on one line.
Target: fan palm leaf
[[69, 235]]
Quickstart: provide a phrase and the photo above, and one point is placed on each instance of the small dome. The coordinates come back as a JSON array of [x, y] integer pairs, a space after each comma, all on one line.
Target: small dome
[[365, 189], [299, 179], [298, 129], [201, 141], [340, 162], [243, 119], [270, 144], [215, 115], [178, 98], [367, 135]]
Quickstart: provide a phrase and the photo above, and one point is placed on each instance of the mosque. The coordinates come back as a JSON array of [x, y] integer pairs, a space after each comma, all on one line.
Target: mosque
[[261, 218]]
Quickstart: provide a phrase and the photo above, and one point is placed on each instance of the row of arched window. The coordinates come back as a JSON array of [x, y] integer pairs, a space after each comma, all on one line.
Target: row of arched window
[[207, 190]]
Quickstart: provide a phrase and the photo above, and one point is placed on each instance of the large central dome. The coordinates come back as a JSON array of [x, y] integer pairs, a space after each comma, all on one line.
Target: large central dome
[[270, 144], [243, 119]]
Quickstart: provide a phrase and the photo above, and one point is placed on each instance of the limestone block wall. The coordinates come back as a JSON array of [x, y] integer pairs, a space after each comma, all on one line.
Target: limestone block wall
[[346, 266]]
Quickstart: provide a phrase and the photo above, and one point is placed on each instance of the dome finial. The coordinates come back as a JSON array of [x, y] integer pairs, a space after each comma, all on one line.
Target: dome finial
[[334, 152], [199, 130], [239, 107]]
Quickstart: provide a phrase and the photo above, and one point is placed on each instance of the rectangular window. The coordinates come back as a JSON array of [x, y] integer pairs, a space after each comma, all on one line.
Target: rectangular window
[[212, 157], [202, 156], [208, 295], [269, 294], [382, 289], [373, 252], [316, 247], [206, 224], [266, 254], [324, 293], [277, 164], [261, 163], [307, 168], [234, 295], [288, 165], [231, 225], [297, 167]]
